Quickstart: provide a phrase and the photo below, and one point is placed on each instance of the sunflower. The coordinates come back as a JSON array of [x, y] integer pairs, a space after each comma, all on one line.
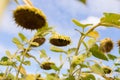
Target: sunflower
[[60, 40], [29, 17], [47, 65], [107, 70], [39, 40], [106, 45]]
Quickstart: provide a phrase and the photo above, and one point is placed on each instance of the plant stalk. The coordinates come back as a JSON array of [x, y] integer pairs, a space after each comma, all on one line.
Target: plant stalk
[[83, 36]]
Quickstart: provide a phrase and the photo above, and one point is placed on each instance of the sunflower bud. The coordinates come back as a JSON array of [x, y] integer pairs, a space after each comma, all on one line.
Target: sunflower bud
[[47, 65], [29, 17], [107, 70], [106, 45], [118, 43], [60, 40]]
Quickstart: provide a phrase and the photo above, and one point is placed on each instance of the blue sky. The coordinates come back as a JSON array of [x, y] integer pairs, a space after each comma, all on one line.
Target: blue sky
[[59, 14]]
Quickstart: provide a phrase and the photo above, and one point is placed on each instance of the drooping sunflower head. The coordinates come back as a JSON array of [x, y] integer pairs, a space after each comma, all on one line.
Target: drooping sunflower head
[[106, 45], [60, 40], [107, 70], [29, 17], [46, 65], [39, 40], [118, 43]]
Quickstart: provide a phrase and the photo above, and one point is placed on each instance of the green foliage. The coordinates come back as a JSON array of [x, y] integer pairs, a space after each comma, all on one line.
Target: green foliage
[[81, 67], [97, 53], [111, 20]]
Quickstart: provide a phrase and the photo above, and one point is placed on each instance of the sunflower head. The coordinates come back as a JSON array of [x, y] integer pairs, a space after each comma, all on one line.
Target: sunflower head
[[47, 65], [29, 17], [118, 43], [106, 45], [39, 40], [107, 70], [60, 40]]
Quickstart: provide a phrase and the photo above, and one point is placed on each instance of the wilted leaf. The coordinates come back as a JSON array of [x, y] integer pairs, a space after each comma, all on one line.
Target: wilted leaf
[[56, 49], [76, 22], [22, 37], [96, 68], [97, 53], [112, 57], [43, 54], [111, 20], [94, 34]]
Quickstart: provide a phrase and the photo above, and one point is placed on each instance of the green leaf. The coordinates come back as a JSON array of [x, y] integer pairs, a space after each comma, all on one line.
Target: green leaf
[[96, 68], [27, 63], [43, 53], [16, 1], [70, 78], [117, 70], [91, 42], [4, 58], [83, 1], [112, 57], [94, 34], [76, 22], [88, 77], [110, 20], [83, 65], [97, 53], [8, 54], [71, 50], [34, 43], [117, 64], [22, 37], [56, 49], [54, 67], [17, 42]]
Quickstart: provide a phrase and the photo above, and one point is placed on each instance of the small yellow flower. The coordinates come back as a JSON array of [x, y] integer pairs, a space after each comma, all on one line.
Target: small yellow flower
[[60, 40], [29, 17], [106, 45], [47, 65]]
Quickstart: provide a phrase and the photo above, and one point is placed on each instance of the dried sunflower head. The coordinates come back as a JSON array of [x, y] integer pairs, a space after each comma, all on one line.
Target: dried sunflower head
[[39, 40], [29, 17], [47, 65], [118, 43], [107, 70], [106, 45], [60, 40]]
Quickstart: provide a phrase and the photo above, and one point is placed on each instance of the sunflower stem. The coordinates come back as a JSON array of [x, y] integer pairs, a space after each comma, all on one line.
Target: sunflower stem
[[83, 36], [28, 2]]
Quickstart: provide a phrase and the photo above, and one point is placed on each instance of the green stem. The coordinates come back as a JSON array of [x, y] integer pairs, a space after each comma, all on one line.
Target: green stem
[[83, 36], [19, 68]]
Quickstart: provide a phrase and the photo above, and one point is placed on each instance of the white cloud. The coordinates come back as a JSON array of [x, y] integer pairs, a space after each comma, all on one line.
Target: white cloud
[[92, 20]]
